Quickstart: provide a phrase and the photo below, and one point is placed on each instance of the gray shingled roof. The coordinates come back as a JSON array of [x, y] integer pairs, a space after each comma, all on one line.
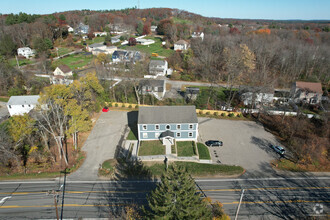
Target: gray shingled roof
[[151, 82], [156, 62], [167, 114], [23, 100]]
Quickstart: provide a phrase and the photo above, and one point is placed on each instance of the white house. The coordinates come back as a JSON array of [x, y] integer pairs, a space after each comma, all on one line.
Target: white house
[[145, 41], [99, 34], [198, 35], [100, 46], [60, 80], [181, 45], [18, 105], [257, 95], [153, 28], [63, 70], [26, 52], [107, 50], [70, 29], [157, 68]]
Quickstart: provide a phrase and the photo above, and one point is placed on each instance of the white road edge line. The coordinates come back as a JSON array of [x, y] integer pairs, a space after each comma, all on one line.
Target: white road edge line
[[149, 181]]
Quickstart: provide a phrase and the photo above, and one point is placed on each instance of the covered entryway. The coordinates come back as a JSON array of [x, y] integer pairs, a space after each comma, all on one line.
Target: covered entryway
[[167, 137]]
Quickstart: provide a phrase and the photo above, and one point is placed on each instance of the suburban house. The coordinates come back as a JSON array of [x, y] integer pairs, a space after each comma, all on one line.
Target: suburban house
[[144, 41], [153, 28], [191, 93], [198, 35], [60, 80], [19, 105], [100, 46], [256, 95], [99, 34], [126, 56], [63, 70], [107, 50], [81, 29], [117, 28], [70, 29], [181, 45], [157, 68], [307, 92], [26, 52], [115, 39], [167, 123], [154, 87]]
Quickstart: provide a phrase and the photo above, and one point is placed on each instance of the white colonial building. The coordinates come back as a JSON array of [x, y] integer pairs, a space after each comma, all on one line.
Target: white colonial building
[[26, 52], [19, 105]]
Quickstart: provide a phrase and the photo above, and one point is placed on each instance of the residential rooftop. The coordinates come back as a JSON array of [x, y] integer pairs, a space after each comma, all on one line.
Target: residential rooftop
[[167, 114], [23, 100]]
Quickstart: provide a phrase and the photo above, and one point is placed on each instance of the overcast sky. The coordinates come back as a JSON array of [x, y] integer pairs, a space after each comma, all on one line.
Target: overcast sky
[[254, 9]]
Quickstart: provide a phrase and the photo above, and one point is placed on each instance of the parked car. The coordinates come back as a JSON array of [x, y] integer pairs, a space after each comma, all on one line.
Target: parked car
[[105, 109], [214, 143], [278, 149]]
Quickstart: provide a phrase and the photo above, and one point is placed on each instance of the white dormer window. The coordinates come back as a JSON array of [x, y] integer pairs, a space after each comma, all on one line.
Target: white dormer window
[[144, 127]]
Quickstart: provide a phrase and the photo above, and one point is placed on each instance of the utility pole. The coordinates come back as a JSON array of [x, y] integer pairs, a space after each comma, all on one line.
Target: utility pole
[[239, 205], [64, 183], [138, 4]]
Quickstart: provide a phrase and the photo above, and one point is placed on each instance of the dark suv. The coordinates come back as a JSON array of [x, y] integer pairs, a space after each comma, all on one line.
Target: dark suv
[[213, 143]]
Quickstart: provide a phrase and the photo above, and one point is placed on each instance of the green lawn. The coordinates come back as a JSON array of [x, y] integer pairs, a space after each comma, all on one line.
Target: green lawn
[[131, 136], [95, 40], [181, 21], [157, 47], [21, 62], [75, 60], [203, 151], [108, 167], [199, 169], [62, 51], [186, 148], [4, 99], [151, 148]]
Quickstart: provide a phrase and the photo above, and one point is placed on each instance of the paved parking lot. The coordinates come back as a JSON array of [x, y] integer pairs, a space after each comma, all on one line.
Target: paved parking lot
[[101, 144], [245, 143]]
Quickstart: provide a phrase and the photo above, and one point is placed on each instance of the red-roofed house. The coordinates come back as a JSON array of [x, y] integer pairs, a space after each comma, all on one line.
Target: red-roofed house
[[308, 92]]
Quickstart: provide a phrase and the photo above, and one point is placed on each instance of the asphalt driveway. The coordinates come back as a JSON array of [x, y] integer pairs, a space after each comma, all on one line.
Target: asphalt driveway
[[101, 144], [246, 144]]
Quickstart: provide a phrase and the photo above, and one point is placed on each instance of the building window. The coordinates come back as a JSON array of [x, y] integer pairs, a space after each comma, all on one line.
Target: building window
[[23, 106], [168, 127], [145, 135], [191, 126], [144, 127], [157, 127], [9, 106], [178, 134], [29, 105], [178, 127], [190, 134]]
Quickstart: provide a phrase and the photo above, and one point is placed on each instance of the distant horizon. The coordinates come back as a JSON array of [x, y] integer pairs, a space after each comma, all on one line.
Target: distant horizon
[[280, 10]]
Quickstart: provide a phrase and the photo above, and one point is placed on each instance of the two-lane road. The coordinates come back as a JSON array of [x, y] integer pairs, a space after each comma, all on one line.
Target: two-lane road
[[269, 198]]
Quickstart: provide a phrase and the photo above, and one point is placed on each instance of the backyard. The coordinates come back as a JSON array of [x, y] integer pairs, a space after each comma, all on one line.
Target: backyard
[[21, 62], [151, 148], [75, 61], [157, 47], [61, 51], [186, 148]]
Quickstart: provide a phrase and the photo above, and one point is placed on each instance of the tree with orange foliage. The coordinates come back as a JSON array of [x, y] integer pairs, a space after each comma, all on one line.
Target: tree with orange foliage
[[146, 29]]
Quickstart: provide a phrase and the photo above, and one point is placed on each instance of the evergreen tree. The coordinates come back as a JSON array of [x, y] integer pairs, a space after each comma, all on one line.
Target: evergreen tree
[[175, 197]]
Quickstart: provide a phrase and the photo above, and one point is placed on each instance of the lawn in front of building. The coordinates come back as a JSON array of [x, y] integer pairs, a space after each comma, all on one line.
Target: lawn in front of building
[[148, 148], [203, 152], [186, 148]]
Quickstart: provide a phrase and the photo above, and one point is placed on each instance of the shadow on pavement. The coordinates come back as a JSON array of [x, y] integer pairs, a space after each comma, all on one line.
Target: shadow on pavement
[[292, 197]]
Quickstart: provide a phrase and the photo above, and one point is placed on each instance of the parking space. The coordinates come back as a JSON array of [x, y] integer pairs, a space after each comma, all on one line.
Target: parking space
[[102, 143], [245, 143]]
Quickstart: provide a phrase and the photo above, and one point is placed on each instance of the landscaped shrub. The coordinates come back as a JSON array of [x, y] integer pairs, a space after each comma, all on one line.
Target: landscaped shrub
[[207, 113], [215, 113], [116, 105], [231, 115], [239, 115], [223, 114], [200, 112], [123, 105], [110, 105], [130, 106], [136, 107]]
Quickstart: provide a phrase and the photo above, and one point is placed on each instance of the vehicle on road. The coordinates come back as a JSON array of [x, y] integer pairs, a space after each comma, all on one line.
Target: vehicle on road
[[278, 149], [105, 109], [214, 143]]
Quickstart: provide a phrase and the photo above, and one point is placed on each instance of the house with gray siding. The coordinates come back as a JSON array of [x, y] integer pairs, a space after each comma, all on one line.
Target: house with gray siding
[[167, 123]]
